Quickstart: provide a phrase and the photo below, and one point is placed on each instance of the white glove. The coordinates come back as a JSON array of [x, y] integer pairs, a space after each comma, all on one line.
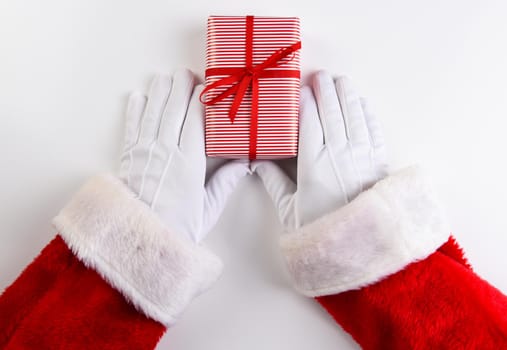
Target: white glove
[[341, 154], [164, 160]]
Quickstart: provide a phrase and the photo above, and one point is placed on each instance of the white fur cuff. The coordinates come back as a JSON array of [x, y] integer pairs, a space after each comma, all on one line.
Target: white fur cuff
[[396, 222], [121, 238]]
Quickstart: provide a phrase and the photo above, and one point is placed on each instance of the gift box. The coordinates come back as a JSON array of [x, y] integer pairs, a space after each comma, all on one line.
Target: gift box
[[252, 87]]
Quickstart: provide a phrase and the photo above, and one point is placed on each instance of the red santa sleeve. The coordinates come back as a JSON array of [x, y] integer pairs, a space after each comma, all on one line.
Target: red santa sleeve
[[385, 268], [113, 278]]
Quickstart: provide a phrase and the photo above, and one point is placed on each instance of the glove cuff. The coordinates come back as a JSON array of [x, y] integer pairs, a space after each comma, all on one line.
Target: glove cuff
[[119, 236], [396, 222]]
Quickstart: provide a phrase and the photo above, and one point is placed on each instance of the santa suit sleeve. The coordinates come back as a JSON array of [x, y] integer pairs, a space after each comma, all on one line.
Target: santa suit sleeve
[[386, 269], [113, 278]]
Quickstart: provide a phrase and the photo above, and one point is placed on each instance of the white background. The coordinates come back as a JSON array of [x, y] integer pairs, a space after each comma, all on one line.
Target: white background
[[435, 71]]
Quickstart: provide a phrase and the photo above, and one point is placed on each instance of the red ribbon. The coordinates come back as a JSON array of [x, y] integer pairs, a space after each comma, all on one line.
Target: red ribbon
[[241, 79]]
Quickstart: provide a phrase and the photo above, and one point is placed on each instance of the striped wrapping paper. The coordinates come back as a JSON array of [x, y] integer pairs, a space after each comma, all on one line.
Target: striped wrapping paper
[[277, 129]]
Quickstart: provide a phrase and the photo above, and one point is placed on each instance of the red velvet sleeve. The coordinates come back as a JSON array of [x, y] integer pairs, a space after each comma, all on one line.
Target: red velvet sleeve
[[59, 303], [114, 278], [436, 303]]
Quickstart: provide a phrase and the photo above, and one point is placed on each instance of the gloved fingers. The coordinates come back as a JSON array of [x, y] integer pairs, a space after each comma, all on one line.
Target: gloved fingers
[[352, 111], [311, 137], [176, 108], [336, 136], [157, 98], [218, 189], [135, 109], [191, 140], [280, 188], [331, 117]]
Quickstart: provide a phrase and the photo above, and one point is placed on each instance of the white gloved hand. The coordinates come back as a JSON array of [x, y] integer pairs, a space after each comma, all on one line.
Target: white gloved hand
[[341, 154], [164, 160]]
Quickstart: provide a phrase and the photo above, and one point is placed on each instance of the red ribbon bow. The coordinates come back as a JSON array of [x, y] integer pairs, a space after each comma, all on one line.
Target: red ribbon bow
[[241, 79]]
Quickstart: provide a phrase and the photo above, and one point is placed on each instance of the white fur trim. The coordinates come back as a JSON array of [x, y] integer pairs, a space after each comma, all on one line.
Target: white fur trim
[[396, 222], [121, 238]]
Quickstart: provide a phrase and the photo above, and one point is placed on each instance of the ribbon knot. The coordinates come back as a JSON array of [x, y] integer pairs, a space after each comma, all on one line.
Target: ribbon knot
[[240, 80], [251, 71]]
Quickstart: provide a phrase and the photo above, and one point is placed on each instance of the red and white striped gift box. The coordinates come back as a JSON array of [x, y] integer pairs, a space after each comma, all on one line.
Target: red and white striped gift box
[[272, 132]]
